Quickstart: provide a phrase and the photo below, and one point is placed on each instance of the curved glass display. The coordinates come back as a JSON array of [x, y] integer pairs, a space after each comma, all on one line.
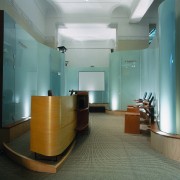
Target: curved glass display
[[167, 67]]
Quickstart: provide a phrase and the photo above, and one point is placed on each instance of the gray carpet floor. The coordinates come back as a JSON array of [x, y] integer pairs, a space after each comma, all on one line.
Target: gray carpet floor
[[104, 152]]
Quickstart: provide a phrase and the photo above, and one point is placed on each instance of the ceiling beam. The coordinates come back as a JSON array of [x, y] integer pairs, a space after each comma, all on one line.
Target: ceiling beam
[[139, 10]]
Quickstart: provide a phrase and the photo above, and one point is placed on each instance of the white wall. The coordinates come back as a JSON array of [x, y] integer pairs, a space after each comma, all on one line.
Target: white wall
[[34, 14], [87, 57]]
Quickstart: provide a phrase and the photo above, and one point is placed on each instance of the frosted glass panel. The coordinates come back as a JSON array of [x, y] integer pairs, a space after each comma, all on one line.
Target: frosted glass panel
[[62, 70], [115, 81], [57, 83], [8, 70], [25, 72], [43, 81], [150, 73], [130, 73], [124, 79], [28, 68]]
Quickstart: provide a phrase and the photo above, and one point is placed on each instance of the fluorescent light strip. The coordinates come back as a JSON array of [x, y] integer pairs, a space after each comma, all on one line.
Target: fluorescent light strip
[[140, 10]]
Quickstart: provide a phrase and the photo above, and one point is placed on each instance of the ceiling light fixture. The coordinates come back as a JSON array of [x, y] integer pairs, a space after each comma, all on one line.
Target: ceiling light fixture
[[140, 10]]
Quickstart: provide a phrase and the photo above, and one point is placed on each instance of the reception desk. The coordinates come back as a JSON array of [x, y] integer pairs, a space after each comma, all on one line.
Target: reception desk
[[53, 124]]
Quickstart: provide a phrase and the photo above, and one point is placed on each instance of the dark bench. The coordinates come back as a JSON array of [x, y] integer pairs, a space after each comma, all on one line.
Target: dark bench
[[96, 107]]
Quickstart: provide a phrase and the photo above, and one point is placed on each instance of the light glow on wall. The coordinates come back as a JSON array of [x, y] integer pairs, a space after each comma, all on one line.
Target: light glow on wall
[[26, 111], [91, 97], [114, 103], [165, 116], [17, 99]]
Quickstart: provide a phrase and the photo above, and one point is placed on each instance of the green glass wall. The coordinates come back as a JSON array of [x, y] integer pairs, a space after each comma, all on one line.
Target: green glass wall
[[124, 80], [29, 68]]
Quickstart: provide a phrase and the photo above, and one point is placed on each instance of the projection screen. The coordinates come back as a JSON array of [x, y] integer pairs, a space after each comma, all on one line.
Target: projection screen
[[91, 81]]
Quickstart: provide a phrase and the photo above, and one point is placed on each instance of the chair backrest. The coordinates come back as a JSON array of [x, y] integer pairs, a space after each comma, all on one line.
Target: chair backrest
[[150, 101], [149, 96], [145, 94]]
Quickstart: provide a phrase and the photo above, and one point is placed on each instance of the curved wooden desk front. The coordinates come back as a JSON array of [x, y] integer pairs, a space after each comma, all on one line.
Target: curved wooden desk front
[[53, 124]]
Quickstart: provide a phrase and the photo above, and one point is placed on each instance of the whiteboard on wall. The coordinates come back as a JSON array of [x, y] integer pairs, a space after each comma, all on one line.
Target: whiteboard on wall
[[91, 81]]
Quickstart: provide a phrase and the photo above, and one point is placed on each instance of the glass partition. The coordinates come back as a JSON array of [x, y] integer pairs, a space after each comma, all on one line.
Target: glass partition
[[130, 75], [43, 68], [115, 81], [124, 79], [25, 72], [150, 72], [57, 73], [9, 55]]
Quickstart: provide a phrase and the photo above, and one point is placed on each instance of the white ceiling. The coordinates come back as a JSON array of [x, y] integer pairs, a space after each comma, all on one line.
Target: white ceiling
[[93, 7], [94, 11], [88, 32]]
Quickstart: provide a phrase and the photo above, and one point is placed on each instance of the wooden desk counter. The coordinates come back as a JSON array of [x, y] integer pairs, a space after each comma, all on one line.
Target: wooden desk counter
[[53, 123]]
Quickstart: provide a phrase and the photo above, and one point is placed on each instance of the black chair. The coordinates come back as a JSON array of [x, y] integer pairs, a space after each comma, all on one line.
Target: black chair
[[151, 100], [145, 94], [149, 96]]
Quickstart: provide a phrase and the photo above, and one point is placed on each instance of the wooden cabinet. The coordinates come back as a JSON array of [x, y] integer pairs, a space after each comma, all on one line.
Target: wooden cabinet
[[53, 124], [82, 110]]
